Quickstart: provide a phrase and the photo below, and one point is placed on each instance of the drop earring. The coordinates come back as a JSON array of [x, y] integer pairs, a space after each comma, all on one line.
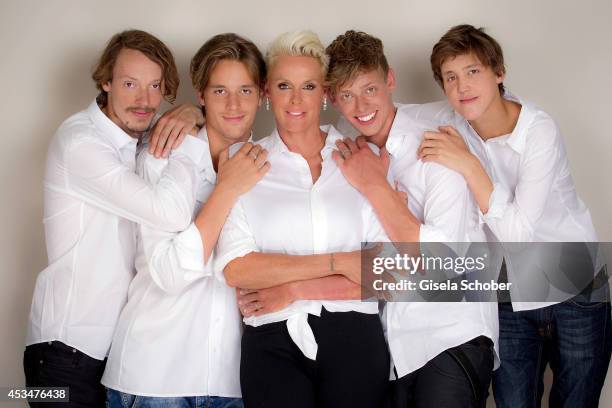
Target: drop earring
[[267, 103], [324, 104]]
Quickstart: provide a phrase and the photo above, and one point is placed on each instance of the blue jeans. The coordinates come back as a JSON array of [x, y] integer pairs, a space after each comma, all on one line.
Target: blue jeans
[[116, 399], [575, 337]]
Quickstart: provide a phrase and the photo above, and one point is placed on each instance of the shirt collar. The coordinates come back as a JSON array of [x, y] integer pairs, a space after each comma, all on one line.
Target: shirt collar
[[404, 126], [109, 129], [279, 146], [207, 164], [517, 139]]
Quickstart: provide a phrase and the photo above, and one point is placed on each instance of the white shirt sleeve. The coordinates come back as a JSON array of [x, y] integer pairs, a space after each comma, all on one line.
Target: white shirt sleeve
[[96, 175], [513, 217], [236, 240], [445, 206], [174, 260]]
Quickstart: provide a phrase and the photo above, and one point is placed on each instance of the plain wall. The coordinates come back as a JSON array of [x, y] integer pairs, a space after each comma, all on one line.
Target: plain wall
[[558, 55]]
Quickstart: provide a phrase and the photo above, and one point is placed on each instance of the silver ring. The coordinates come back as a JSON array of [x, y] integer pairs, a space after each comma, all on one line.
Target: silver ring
[[253, 155]]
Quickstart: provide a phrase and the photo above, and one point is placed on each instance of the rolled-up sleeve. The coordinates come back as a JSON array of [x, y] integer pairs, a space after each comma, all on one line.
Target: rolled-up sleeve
[[174, 260], [236, 240]]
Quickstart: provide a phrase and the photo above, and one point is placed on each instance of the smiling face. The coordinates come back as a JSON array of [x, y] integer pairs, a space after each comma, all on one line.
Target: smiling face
[[134, 93], [471, 87], [231, 99], [296, 92], [367, 102]]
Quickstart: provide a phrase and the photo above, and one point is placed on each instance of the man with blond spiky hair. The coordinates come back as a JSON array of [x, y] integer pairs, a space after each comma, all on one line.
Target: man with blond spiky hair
[[442, 352]]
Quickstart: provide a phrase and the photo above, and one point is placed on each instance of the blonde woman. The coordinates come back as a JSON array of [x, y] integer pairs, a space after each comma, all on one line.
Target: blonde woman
[[302, 221]]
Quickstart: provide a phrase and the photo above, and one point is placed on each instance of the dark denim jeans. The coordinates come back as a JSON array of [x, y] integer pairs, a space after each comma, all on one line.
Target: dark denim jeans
[[116, 399], [575, 337]]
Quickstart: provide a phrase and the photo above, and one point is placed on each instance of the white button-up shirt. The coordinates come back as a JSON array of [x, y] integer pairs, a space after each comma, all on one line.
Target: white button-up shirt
[[419, 331], [286, 213], [534, 198], [179, 333], [92, 198]]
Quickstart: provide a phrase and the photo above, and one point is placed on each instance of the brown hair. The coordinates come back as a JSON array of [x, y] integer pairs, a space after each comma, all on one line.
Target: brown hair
[[352, 53], [226, 46], [150, 46], [466, 39]]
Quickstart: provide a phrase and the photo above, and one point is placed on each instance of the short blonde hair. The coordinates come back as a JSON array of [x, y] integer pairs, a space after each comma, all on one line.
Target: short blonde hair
[[303, 43]]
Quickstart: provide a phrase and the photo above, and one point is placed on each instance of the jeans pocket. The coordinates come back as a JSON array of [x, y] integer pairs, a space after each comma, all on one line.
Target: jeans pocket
[[118, 399], [586, 305], [61, 358]]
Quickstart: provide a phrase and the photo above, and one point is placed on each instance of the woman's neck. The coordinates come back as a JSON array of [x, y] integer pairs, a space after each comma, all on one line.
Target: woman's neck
[[308, 143]]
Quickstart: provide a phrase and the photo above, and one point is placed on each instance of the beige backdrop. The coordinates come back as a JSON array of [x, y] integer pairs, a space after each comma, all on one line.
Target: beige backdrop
[[558, 55]]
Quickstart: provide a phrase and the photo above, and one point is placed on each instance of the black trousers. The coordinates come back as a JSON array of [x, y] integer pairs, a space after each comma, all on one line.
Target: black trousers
[[351, 369], [456, 378], [55, 364]]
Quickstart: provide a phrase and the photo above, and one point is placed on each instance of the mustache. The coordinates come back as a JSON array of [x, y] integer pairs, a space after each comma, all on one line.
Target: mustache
[[146, 109]]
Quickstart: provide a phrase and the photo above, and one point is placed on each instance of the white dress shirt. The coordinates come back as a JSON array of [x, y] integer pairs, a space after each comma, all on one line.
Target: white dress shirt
[[534, 198], [286, 213], [179, 333], [92, 198], [419, 331]]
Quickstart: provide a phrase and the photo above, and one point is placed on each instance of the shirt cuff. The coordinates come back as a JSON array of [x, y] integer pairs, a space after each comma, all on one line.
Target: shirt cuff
[[193, 148], [499, 200], [220, 262], [190, 251]]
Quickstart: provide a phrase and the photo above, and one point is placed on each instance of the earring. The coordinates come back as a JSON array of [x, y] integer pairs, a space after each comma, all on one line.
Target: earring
[[267, 103], [324, 104]]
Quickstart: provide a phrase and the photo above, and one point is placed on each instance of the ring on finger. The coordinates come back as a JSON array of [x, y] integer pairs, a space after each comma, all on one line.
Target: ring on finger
[[253, 155]]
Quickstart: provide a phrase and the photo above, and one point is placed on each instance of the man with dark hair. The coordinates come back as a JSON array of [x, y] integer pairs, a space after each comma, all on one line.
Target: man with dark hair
[[512, 156], [193, 358], [92, 200]]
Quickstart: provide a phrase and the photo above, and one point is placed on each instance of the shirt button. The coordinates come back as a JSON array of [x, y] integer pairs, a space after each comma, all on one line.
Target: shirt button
[[49, 342], [40, 361], [74, 350]]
